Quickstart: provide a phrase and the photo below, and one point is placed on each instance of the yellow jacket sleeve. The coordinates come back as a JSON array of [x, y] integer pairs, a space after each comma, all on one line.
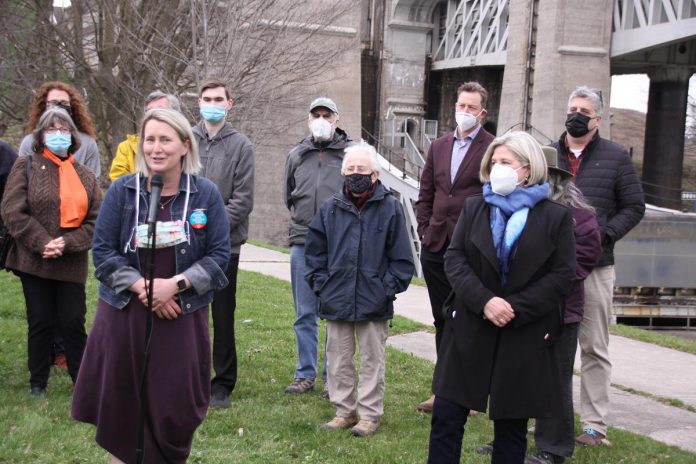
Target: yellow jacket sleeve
[[124, 161]]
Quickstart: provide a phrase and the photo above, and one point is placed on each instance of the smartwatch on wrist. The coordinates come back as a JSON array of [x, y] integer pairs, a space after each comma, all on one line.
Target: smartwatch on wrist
[[181, 283]]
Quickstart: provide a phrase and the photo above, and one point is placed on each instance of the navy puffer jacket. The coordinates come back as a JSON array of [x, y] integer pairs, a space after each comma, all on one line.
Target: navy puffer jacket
[[609, 182], [358, 260]]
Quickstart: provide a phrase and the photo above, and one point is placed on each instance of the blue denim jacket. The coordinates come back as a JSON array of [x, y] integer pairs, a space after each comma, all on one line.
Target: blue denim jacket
[[202, 261]]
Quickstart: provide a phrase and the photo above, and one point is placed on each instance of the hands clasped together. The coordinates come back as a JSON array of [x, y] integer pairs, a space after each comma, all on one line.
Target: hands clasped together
[[165, 304], [498, 311], [54, 248]]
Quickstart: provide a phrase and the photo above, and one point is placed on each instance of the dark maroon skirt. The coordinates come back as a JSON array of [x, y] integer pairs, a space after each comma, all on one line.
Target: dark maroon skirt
[[178, 383]]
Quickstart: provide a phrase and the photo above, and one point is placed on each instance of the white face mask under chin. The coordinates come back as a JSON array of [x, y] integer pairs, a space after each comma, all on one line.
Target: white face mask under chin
[[322, 130], [503, 179], [465, 121]]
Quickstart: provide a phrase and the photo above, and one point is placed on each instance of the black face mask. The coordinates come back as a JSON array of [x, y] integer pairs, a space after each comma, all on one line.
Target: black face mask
[[358, 183], [576, 124]]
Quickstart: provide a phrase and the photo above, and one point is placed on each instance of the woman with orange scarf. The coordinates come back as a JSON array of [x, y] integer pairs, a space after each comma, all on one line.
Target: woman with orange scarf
[[50, 209]]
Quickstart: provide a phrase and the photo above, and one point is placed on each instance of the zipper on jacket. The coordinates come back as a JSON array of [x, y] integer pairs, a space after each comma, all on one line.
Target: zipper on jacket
[[357, 267], [320, 155]]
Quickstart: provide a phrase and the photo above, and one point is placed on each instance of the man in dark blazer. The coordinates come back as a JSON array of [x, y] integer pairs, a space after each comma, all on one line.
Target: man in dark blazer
[[450, 175]]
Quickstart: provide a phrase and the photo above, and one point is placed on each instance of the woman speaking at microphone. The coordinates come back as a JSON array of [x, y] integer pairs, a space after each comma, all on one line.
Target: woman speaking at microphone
[[191, 250]]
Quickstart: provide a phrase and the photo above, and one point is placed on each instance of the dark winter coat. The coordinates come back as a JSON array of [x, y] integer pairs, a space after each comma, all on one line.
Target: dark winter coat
[[588, 249], [517, 365], [608, 180], [358, 261], [7, 159], [312, 175], [439, 199]]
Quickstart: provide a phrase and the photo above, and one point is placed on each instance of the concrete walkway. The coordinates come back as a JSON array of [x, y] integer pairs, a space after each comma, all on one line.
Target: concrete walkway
[[636, 365]]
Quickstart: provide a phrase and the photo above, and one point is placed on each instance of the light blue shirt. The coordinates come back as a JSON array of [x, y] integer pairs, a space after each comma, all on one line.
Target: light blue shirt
[[459, 150]]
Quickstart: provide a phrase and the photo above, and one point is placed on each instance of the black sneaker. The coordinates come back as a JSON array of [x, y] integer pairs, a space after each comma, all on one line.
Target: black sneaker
[[219, 400], [37, 392], [544, 457]]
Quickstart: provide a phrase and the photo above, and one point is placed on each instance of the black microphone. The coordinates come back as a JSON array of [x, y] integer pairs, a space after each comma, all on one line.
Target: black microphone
[[156, 184]]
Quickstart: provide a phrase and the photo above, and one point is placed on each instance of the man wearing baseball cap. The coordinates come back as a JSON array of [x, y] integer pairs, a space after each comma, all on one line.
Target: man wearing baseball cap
[[312, 175]]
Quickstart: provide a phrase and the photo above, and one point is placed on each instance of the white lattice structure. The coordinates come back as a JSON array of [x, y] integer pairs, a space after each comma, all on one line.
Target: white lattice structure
[[476, 34], [642, 24]]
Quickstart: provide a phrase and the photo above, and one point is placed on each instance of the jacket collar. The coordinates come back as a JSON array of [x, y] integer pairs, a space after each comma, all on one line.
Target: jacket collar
[[226, 131], [130, 183], [529, 256], [482, 238], [341, 201], [339, 142]]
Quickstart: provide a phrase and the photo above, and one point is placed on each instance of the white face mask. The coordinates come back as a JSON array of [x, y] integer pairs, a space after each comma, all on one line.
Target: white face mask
[[465, 121], [169, 233], [322, 130], [503, 179]]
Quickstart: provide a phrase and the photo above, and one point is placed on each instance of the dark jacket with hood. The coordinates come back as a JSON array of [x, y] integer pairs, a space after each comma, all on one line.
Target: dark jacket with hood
[[608, 180], [7, 159], [312, 175], [227, 160], [358, 261]]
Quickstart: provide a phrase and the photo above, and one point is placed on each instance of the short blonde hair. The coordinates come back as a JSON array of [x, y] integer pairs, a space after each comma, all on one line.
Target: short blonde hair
[[526, 150], [177, 121]]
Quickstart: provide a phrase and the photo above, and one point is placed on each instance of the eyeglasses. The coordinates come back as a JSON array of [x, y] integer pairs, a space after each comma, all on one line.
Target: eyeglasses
[[58, 103], [54, 131]]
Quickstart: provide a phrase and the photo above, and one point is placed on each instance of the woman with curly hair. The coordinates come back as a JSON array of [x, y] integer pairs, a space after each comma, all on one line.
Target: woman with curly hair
[[62, 95]]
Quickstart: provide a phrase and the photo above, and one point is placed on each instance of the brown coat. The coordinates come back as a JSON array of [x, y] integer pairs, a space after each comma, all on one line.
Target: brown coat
[[440, 201], [31, 212]]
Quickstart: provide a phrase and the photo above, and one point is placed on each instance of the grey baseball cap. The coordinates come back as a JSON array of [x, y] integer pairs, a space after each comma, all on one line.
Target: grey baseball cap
[[323, 102]]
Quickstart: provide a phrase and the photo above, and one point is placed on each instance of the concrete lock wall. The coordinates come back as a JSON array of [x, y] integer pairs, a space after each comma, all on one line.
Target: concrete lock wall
[[570, 45], [269, 220]]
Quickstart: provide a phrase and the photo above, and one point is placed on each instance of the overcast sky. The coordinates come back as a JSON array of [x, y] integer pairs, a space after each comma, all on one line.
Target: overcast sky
[[631, 91]]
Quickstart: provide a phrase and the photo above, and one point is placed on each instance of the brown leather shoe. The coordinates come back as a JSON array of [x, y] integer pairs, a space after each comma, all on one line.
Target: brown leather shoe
[[299, 386], [365, 428], [338, 423], [427, 405], [591, 437]]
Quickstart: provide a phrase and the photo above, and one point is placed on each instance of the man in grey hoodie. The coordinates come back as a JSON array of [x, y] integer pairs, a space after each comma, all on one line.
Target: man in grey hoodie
[[312, 175], [227, 159]]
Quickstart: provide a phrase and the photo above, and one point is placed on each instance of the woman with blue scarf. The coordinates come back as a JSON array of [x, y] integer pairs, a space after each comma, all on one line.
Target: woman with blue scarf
[[511, 263]]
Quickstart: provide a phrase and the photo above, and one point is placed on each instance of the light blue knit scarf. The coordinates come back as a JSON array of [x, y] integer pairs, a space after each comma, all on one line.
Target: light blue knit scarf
[[508, 218]]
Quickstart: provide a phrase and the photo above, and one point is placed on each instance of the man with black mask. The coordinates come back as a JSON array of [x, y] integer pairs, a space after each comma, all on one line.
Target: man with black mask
[[312, 175], [603, 171]]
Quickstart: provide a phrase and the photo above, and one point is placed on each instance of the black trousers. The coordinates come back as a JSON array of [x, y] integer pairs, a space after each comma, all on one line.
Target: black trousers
[[224, 344], [447, 432], [438, 287], [557, 434], [51, 302]]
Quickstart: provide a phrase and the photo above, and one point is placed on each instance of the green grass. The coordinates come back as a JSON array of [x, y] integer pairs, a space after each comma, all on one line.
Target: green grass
[[281, 249], [654, 337], [263, 425]]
